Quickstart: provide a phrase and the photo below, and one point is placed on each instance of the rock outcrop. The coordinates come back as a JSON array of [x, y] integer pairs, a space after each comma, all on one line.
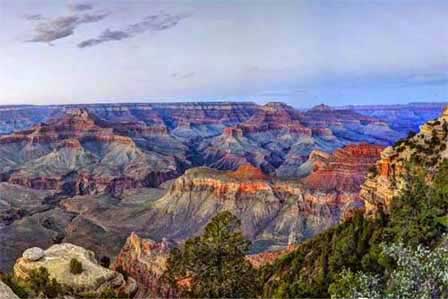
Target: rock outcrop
[[145, 261], [6, 292], [428, 148], [56, 259]]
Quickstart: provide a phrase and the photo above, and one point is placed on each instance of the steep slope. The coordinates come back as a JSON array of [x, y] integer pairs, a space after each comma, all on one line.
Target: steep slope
[[428, 148]]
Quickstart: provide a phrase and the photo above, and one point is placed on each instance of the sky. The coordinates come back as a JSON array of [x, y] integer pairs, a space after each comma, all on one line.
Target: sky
[[303, 53]]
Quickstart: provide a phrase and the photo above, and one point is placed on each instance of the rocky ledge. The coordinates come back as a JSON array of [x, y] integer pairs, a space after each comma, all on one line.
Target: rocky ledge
[[56, 259]]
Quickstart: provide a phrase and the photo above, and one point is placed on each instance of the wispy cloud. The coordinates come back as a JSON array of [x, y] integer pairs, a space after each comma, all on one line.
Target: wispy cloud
[[80, 6], [60, 27], [181, 76], [158, 22], [33, 17]]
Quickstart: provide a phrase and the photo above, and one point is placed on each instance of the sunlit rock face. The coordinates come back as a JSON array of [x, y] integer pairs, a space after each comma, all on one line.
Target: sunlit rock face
[[274, 213], [146, 260], [92, 280], [428, 148]]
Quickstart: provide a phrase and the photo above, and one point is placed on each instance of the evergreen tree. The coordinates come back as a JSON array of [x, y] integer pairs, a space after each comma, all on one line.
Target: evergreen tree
[[213, 265]]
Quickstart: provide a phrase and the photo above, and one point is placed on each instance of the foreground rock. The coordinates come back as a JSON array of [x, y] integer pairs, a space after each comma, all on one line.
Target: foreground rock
[[145, 260], [93, 280], [6, 292]]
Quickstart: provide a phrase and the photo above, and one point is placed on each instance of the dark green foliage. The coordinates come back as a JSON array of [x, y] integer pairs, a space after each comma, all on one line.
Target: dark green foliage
[[414, 214], [308, 271], [75, 266], [41, 284], [214, 263], [105, 261], [418, 216]]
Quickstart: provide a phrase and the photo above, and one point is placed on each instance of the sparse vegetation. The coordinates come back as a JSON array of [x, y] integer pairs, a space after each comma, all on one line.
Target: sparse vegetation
[[75, 266], [41, 284], [105, 261]]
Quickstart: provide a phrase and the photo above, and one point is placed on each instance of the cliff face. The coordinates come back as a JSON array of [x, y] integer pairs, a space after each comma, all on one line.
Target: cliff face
[[273, 212], [427, 148], [345, 170], [145, 261], [56, 259]]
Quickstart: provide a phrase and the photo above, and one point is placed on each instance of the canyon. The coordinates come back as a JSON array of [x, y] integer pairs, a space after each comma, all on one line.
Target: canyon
[[99, 175]]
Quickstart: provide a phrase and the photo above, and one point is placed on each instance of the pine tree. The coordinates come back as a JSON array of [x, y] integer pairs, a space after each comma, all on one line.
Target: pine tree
[[214, 264]]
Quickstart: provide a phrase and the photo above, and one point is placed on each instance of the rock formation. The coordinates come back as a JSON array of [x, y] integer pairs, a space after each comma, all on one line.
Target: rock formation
[[427, 148], [6, 292], [92, 174], [56, 259], [145, 261]]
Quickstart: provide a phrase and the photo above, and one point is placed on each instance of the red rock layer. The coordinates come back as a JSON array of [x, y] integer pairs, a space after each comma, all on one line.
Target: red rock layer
[[345, 170]]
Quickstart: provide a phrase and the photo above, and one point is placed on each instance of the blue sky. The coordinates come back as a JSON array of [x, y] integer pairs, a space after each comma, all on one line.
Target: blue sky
[[300, 52]]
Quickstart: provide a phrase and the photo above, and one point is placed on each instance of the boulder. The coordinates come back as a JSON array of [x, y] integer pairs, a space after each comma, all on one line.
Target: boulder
[[6, 292], [33, 254], [93, 279]]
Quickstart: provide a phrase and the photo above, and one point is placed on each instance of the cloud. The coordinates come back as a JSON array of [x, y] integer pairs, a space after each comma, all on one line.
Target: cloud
[[80, 6], [33, 17], [159, 22], [181, 76], [60, 27], [107, 35]]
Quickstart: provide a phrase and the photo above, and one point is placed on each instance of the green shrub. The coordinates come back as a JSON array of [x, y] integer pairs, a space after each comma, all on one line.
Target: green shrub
[[75, 266], [105, 261], [41, 284]]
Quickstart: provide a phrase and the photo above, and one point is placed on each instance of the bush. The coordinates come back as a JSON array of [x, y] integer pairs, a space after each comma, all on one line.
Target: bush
[[75, 266], [41, 284], [105, 261]]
